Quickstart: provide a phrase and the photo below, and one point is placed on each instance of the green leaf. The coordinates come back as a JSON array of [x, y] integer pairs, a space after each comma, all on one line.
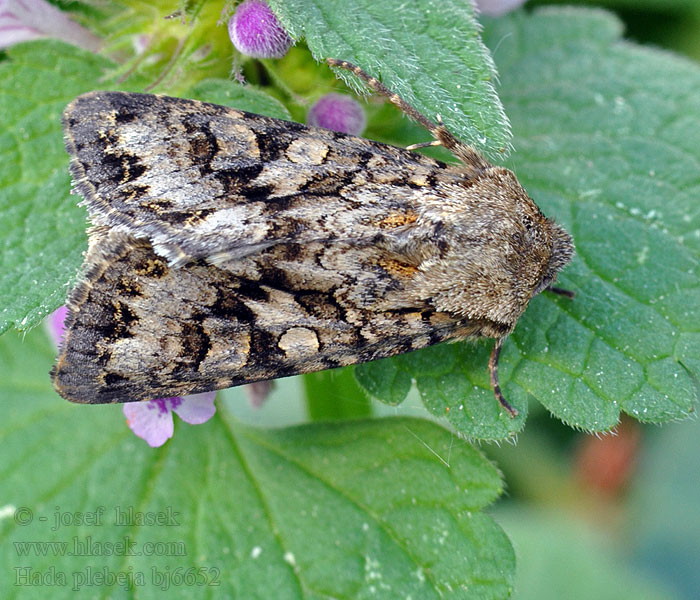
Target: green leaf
[[335, 394], [227, 93], [395, 503], [606, 137], [453, 383], [617, 165], [429, 53], [42, 231], [385, 380]]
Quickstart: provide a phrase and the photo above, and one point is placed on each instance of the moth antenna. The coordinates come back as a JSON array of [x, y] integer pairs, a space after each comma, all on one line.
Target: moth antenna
[[465, 153], [560, 291], [493, 370], [378, 87]]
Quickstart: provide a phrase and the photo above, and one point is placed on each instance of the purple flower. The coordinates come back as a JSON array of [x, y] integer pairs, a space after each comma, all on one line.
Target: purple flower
[[153, 420], [339, 113], [255, 31], [496, 8], [24, 20]]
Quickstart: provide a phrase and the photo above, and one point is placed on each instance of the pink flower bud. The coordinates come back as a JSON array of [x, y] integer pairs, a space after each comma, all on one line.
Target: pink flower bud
[[339, 113], [55, 324], [258, 392], [255, 31]]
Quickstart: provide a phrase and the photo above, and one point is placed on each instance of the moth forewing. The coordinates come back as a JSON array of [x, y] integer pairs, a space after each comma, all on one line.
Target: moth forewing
[[235, 248], [142, 329], [200, 180]]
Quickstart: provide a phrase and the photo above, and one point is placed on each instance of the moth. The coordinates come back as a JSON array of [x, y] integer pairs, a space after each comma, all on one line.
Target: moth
[[228, 248]]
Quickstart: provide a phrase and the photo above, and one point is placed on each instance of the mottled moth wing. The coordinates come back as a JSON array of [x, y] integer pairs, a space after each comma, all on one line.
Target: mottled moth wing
[[205, 181], [141, 329], [229, 248]]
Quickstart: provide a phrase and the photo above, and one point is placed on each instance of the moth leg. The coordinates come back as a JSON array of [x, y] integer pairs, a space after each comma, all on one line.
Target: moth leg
[[435, 142], [465, 153], [493, 370], [560, 291], [424, 145]]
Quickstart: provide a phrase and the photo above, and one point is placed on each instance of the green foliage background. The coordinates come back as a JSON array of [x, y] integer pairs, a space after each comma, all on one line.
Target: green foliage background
[[604, 137]]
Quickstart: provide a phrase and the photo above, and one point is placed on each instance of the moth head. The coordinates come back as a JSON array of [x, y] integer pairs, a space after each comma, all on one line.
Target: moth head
[[562, 251], [497, 250]]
